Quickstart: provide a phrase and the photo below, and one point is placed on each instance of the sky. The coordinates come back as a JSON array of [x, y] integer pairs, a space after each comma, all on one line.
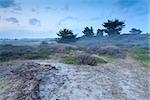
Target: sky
[[44, 18]]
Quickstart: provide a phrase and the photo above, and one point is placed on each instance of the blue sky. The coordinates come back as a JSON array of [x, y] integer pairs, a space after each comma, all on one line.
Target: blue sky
[[43, 18]]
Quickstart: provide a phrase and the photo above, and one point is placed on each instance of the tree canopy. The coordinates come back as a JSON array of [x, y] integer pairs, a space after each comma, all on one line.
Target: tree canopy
[[100, 32], [66, 35], [113, 27]]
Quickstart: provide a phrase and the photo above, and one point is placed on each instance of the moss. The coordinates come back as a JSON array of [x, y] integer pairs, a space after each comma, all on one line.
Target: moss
[[69, 60], [100, 60]]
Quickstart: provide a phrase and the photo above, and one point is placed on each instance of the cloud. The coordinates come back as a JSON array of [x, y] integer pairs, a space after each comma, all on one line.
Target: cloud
[[7, 3], [50, 8], [66, 19], [66, 7], [34, 22], [134, 6], [33, 10], [127, 3], [17, 8], [127, 6], [12, 20], [97, 2]]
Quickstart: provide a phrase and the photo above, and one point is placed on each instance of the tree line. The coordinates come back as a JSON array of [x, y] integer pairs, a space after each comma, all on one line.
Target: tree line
[[111, 28]]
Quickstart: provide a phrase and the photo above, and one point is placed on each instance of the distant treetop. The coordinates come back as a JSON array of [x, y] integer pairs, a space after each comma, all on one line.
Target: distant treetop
[[135, 31], [88, 31]]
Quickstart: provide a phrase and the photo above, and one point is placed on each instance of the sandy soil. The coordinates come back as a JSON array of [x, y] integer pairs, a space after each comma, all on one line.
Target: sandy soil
[[121, 79]]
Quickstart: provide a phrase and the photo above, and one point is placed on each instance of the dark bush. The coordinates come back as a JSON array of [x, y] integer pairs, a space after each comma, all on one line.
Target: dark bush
[[86, 60]]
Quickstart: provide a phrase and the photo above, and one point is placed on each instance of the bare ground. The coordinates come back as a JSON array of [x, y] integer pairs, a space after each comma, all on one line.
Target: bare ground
[[121, 79]]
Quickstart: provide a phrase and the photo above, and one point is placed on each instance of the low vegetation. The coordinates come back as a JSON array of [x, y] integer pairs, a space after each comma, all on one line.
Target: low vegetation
[[43, 51], [36, 56], [10, 52], [83, 59], [142, 55], [7, 56], [107, 50]]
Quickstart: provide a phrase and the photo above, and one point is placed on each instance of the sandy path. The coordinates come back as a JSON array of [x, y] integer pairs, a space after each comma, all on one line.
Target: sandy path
[[119, 80], [123, 79]]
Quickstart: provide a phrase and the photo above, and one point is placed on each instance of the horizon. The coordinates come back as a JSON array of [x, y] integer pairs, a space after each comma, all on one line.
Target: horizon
[[37, 38], [43, 19]]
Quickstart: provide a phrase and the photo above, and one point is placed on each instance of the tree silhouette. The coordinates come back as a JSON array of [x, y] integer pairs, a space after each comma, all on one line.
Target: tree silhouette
[[88, 31], [113, 27], [66, 35], [135, 31]]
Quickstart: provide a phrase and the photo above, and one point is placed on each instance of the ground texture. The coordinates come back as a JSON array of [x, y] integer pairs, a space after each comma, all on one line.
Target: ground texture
[[120, 79]]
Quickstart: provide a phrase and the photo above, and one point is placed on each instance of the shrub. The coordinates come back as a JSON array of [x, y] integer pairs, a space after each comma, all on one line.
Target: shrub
[[86, 59]]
